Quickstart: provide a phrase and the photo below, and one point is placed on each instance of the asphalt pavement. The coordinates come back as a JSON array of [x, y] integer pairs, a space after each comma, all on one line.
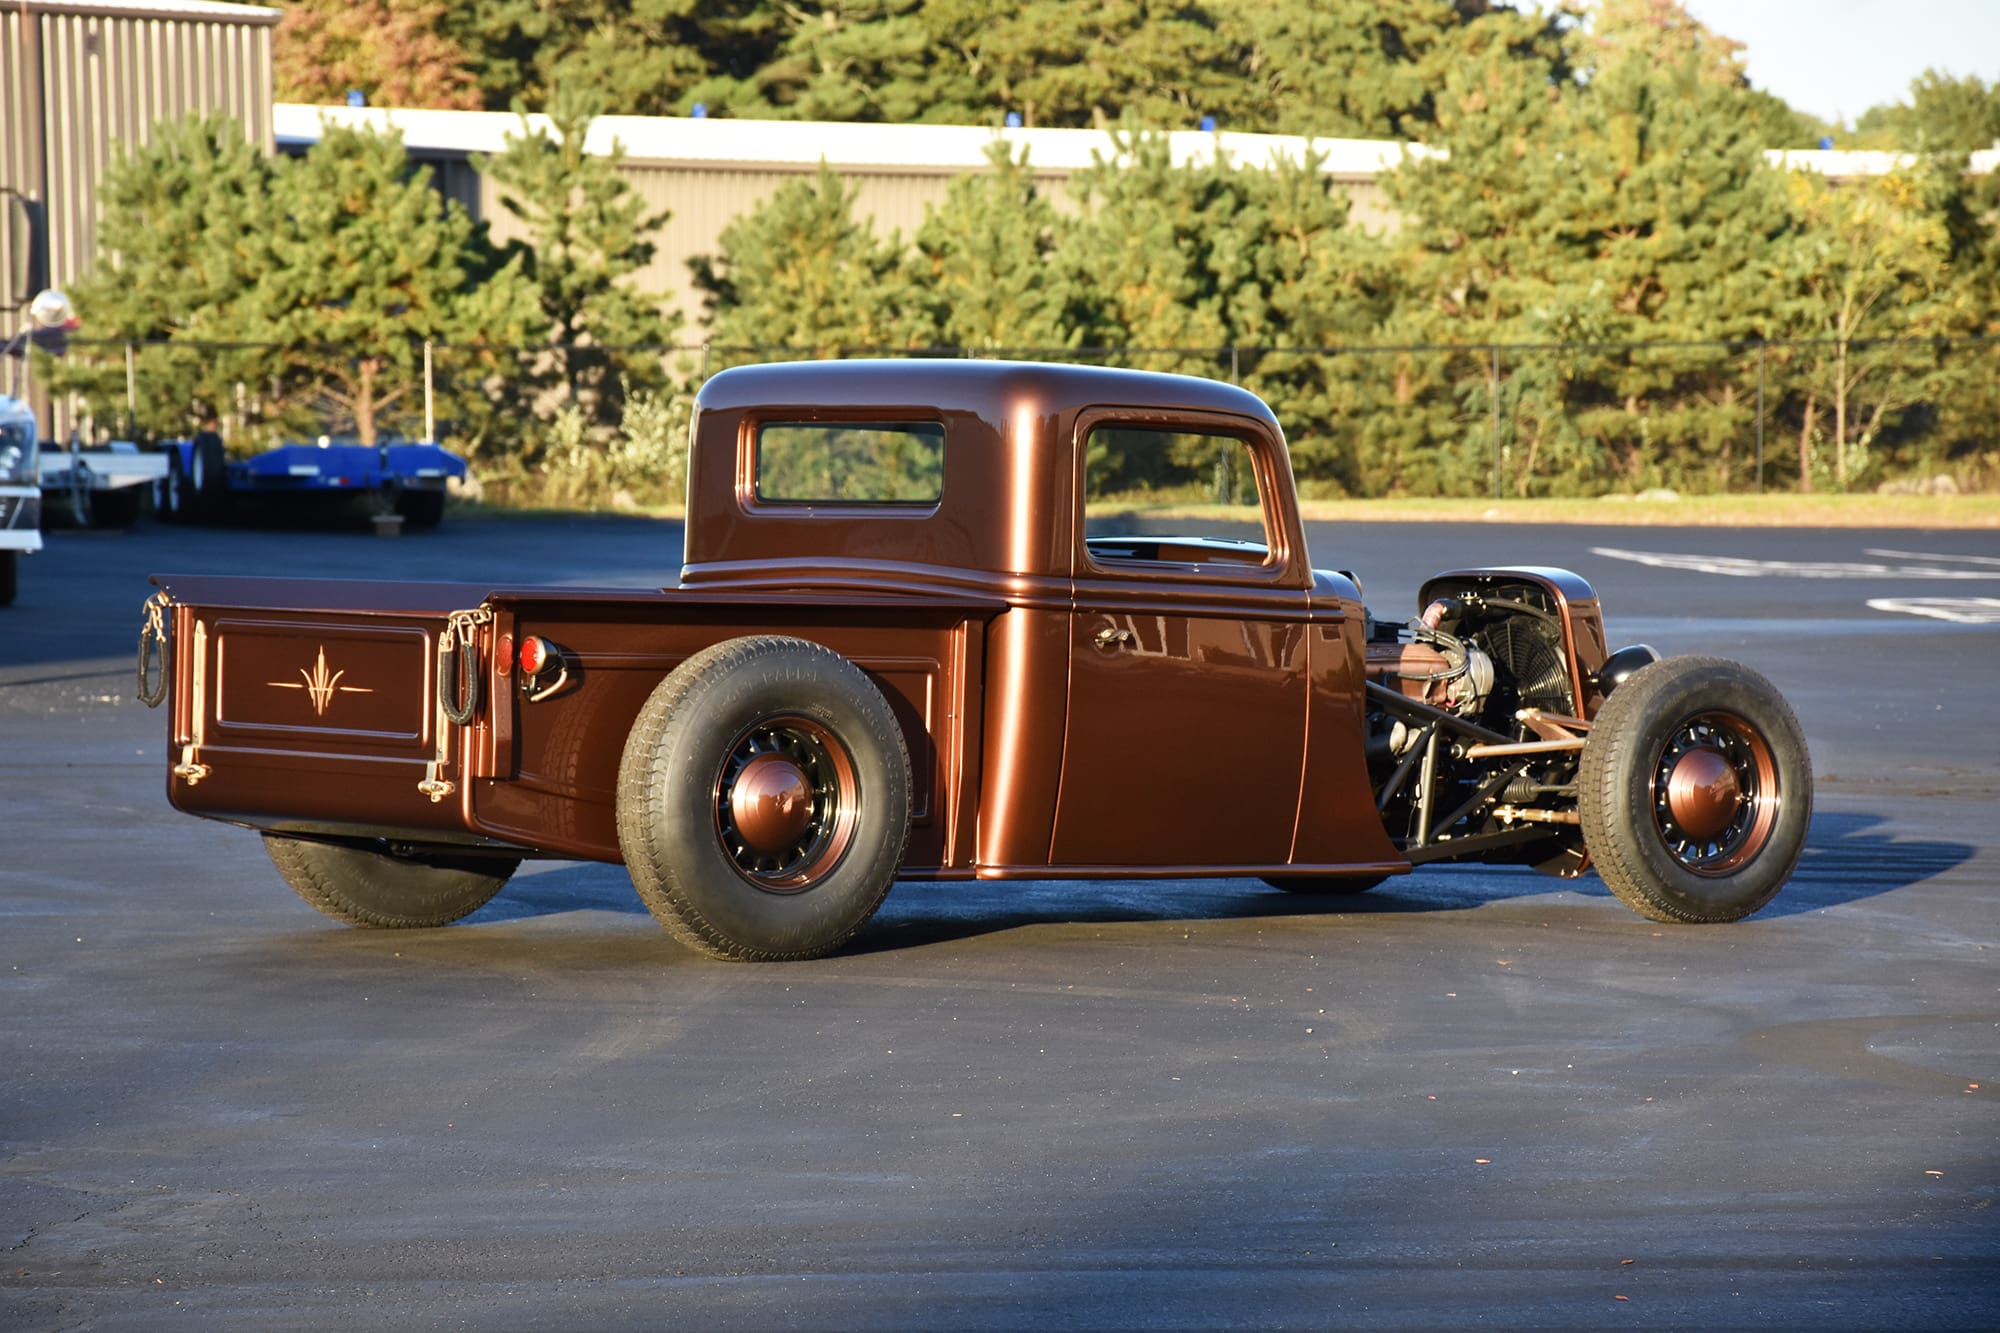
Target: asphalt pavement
[[1473, 1096]]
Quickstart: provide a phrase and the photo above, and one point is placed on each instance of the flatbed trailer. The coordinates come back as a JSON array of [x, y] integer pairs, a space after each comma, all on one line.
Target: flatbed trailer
[[201, 483]]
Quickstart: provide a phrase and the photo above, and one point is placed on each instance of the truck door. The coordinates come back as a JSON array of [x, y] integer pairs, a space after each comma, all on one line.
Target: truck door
[[1184, 737]]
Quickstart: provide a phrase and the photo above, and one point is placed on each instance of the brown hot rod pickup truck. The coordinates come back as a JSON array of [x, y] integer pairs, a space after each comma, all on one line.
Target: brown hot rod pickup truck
[[916, 636]]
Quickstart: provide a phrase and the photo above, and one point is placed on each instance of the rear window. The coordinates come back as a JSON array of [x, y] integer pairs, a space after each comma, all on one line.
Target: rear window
[[847, 462]]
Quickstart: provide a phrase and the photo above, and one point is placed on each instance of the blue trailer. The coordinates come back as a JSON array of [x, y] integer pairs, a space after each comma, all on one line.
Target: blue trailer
[[203, 483]]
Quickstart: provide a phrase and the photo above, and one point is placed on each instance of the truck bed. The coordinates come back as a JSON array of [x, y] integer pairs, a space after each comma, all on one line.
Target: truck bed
[[313, 707]]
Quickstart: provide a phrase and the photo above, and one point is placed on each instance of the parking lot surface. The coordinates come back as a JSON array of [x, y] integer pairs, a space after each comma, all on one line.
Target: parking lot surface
[[1472, 1096]]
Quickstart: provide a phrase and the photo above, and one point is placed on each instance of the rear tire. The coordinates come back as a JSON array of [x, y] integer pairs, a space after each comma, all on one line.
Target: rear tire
[[363, 887], [764, 800], [1695, 791]]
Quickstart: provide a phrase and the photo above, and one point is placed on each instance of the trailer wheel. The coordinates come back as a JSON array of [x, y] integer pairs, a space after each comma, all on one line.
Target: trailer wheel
[[208, 475], [764, 800], [10, 577], [116, 508], [421, 509], [364, 887], [1695, 791], [1326, 886], [174, 500]]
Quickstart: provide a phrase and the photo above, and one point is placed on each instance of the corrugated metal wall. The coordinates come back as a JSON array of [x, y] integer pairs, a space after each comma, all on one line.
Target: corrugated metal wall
[[107, 80], [705, 200], [84, 80], [20, 144]]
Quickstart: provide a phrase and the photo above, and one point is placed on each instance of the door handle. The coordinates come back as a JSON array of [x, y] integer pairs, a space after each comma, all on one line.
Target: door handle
[[1111, 637]]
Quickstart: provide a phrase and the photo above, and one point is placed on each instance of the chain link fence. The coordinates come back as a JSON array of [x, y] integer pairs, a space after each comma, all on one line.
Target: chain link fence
[[590, 424]]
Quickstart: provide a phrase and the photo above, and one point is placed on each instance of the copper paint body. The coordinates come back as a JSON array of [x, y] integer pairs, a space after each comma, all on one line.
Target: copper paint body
[[1218, 730]]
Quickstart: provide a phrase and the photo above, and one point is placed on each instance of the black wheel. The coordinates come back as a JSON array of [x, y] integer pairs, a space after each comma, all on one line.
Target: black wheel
[[117, 508], [1325, 886], [1695, 791], [10, 577], [364, 887], [208, 474], [175, 498], [421, 509], [764, 800]]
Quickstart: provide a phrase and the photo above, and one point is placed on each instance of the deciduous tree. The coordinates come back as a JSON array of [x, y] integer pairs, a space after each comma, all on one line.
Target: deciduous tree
[[393, 51]]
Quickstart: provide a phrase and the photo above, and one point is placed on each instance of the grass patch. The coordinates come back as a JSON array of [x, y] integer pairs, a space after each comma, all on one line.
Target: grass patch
[[1713, 511]]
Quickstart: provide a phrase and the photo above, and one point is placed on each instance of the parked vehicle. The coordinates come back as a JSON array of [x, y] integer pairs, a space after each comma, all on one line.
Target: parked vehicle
[[202, 484], [914, 636], [102, 487], [20, 493]]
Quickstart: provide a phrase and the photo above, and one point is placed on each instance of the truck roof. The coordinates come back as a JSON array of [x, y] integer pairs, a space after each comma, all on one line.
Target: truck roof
[[993, 389]]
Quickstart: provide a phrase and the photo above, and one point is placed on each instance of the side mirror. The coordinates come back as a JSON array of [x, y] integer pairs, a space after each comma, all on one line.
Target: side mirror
[[23, 252]]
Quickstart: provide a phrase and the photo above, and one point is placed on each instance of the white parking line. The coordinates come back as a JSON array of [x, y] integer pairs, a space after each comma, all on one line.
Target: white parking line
[[1960, 610], [1738, 567], [1926, 555]]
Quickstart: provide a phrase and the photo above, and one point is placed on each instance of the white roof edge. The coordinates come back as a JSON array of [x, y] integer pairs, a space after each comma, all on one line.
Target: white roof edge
[[1848, 162], [192, 9], [685, 141]]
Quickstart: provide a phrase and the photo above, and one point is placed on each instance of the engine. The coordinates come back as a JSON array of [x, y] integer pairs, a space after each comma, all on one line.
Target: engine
[[1472, 723], [1479, 655]]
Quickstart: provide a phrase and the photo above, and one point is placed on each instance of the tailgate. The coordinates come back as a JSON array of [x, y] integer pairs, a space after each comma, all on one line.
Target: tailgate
[[326, 718]]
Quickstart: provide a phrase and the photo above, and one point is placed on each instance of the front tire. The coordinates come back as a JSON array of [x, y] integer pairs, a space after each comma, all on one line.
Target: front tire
[[363, 887], [1695, 791], [764, 800]]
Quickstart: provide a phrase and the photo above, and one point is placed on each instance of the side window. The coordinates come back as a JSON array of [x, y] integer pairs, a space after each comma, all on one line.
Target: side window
[[1196, 489], [858, 463]]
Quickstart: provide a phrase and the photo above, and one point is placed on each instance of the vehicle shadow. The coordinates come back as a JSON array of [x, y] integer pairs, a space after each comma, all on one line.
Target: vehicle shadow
[[1848, 858]]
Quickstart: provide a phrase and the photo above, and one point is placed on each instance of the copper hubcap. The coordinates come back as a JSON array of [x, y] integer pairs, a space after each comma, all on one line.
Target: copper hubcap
[[1703, 793], [771, 802], [1715, 793], [786, 802]]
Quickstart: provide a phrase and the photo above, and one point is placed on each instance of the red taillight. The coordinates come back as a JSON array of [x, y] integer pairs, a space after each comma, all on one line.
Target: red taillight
[[535, 654]]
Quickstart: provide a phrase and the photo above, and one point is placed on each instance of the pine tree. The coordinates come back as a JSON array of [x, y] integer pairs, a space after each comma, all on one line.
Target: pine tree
[[800, 273], [362, 265], [985, 262], [180, 246], [642, 57], [589, 231], [1633, 205], [1215, 256]]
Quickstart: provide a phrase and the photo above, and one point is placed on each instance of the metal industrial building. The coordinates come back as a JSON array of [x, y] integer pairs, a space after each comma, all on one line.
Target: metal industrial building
[[79, 81]]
